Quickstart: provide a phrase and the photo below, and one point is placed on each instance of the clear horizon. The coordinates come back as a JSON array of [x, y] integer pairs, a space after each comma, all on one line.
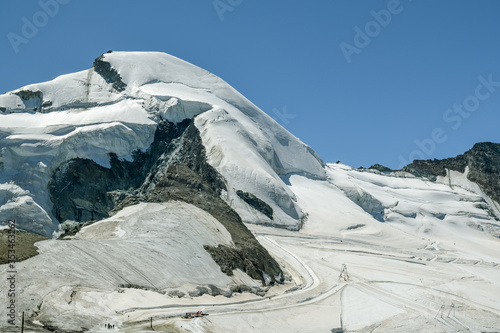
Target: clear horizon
[[364, 83]]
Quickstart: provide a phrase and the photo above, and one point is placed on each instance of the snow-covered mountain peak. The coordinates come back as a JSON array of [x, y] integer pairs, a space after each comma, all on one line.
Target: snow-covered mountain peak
[[115, 108], [137, 69], [165, 162]]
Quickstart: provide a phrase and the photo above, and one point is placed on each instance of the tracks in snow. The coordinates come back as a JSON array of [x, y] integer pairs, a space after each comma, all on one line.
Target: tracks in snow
[[316, 287]]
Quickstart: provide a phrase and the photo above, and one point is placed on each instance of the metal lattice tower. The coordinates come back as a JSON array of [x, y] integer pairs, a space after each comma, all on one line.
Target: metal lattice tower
[[440, 311], [343, 273], [452, 310]]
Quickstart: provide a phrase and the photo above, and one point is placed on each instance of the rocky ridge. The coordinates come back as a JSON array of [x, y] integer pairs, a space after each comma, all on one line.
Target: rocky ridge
[[173, 168], [482, 161]]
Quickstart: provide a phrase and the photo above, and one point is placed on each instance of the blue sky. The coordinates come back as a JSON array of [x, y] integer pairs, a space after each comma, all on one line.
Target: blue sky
[[362, 82]]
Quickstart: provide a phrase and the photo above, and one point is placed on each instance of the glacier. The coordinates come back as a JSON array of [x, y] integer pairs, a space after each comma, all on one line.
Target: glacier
[[83, 115], [422, 253]]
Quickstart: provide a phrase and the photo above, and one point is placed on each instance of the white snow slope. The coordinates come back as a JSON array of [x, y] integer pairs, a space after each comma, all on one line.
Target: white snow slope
[[421, 256]]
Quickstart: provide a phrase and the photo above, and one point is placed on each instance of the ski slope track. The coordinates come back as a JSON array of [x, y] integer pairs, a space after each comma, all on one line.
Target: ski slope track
[[422, 255]]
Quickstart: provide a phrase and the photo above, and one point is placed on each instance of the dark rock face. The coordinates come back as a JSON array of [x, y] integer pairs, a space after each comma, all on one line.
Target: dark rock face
[[180, 143], [173, 168], [104, 69], [251, 260], [33, 100], [256, 203], [380, 168], [483, 161], [28, 94], [181, 183], [82, 190], [86, 196], [46, 104]]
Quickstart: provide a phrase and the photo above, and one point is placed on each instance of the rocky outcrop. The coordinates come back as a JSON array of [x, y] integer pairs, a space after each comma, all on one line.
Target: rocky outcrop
[[104, 69], [180, 182], [27, 100], [28, 94], [86, 196], [82, 190], [380, 168], [483, 161], [31, 99], [173, 168], [256, 203]]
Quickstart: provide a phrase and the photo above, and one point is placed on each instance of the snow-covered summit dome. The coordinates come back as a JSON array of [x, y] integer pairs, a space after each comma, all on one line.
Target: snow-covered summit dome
[[116, 106]]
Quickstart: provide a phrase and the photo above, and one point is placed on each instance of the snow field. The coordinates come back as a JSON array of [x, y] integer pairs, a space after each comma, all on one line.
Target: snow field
[[403, 278]]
